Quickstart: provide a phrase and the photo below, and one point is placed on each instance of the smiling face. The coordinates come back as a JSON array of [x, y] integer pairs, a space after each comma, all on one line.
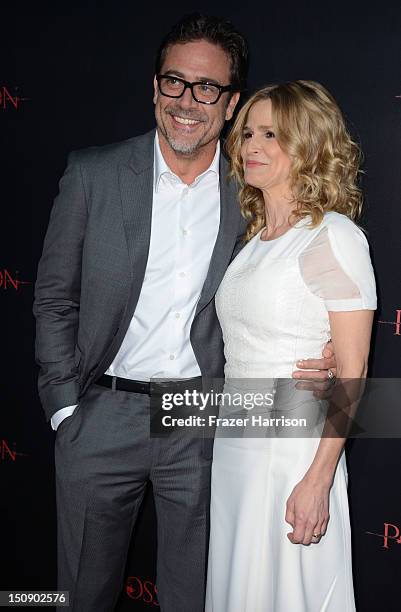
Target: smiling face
[[186, 125], [265, 164]]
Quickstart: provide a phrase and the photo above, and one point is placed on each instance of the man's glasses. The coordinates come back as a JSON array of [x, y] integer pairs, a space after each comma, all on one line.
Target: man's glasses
[[202, 91]]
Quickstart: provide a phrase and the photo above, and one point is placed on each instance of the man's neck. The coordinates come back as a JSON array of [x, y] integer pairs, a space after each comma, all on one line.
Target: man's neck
[[187, 167]]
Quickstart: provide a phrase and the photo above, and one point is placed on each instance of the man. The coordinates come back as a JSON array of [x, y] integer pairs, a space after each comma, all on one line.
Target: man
[[138, 241]]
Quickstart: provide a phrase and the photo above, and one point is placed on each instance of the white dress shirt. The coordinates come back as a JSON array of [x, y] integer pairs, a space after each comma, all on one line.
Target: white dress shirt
[[185, 223]]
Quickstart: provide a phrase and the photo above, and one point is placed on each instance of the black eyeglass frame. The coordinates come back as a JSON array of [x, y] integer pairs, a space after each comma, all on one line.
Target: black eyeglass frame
[[187, 84]]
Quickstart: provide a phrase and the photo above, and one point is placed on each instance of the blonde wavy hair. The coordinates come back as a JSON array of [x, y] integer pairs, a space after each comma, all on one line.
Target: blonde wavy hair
[[310, 128]]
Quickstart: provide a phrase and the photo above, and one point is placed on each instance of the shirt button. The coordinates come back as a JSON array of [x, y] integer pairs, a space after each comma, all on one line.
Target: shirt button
[[185, 232], [177, 315], [172, 357], [185, 191], [182, 275]]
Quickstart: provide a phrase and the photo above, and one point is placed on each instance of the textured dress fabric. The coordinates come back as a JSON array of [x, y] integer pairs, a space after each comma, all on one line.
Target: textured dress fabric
[[273, 306]]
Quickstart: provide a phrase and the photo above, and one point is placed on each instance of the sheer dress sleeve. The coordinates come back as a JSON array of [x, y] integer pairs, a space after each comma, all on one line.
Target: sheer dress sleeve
[[336, 267]]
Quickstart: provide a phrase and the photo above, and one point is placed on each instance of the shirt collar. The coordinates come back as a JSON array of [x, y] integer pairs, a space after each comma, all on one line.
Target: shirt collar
[[160, 167]]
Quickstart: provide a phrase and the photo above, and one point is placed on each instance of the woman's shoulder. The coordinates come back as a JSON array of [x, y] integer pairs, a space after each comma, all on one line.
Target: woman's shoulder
[[346, 239], [339, 222], [342, 230]]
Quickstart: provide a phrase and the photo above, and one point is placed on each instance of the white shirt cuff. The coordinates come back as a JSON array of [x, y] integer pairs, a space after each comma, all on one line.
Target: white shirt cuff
[[61, 414]]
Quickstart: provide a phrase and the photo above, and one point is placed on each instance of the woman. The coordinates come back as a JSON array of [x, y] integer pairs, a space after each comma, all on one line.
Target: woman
[[303, 276]]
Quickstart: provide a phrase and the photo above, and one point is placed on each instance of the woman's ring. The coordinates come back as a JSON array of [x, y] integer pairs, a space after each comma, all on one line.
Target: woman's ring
[[316, 535], [330, 374]]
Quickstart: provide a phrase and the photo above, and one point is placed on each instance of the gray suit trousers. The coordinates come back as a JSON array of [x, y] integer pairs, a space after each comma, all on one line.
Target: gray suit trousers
[[104, 457]]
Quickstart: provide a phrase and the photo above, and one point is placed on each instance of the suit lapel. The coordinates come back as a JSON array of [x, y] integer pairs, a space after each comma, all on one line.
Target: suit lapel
[[226, 237], [136, 189]]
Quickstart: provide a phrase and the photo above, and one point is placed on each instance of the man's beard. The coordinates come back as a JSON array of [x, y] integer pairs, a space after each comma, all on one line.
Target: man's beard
[[180, 145], [186, 148]]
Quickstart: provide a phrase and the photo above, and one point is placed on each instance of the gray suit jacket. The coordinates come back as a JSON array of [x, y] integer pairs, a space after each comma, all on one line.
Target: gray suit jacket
[[93, 263]]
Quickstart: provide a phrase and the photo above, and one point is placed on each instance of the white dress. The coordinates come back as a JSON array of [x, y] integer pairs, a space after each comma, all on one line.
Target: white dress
[[273, 308]]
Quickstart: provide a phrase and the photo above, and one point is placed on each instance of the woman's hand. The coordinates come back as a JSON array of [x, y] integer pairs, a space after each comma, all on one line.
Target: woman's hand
[[308, 511]]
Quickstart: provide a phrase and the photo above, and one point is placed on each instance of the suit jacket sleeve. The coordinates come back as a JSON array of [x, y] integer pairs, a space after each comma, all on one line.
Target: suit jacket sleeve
[[57, 293]]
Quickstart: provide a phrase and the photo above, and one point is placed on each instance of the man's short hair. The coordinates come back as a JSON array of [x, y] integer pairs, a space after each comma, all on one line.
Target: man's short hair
[[216, 30]]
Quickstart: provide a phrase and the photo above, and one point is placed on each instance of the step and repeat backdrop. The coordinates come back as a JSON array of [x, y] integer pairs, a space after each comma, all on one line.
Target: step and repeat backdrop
[[75, 75]]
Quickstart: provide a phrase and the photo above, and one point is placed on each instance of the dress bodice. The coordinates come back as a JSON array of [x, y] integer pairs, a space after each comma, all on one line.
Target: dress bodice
[[274, 299]]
